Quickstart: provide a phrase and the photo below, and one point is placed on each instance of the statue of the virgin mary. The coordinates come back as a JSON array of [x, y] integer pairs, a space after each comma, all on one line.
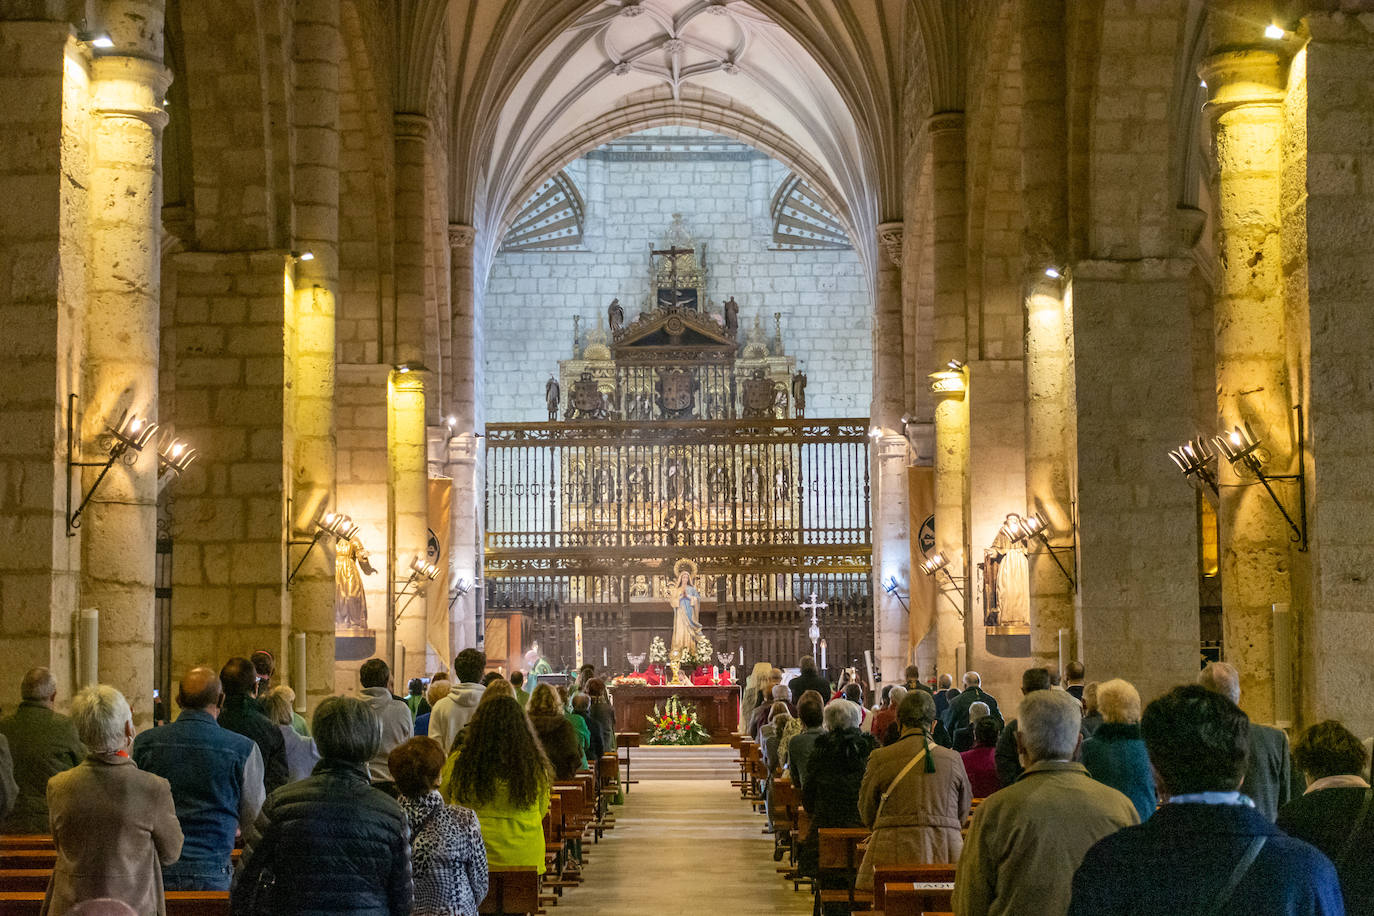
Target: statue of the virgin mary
[[686, 608]]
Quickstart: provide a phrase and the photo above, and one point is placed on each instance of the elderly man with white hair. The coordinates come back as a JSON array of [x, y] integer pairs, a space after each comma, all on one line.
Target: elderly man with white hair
[[1027, 839], [834, 772], [956, 716], [114, 825], [1269, 774]]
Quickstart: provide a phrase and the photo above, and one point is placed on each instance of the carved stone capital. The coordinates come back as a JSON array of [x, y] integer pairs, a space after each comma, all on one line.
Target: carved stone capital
[[945, 120], [410, 126], [890, 241], [461, 236]]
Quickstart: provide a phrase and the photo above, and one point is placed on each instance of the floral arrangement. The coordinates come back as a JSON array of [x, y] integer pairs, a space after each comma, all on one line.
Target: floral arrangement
[[677, 724], [658, 652], [697, 656]]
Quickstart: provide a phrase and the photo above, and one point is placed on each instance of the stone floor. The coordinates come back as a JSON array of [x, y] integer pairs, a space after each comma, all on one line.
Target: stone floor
[[683, 847]]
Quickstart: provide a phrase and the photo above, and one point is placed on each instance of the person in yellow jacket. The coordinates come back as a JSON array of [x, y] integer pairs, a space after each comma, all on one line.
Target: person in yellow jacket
[[501, 772]]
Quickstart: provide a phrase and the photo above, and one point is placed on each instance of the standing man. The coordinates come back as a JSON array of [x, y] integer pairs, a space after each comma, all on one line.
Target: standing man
[[956, 716], [451, 713], [216, 779], [1206, 850], [1008, 760], [240, 713], [397, 725], [808, 678], [1026, 840], [43, 743], [1269, 771], [943, 694], [1073, 679]]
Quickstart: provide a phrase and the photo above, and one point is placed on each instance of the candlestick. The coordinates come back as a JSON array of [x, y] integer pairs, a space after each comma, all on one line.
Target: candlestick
[[605, 657]]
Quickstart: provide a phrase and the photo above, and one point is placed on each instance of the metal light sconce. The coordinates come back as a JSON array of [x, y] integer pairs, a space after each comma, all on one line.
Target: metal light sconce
[[891, 586], [1034, 526], [1193, 459], [123, 442], [176, 456], [421, 572], [937, 563], [1241, 448], [331, 524]]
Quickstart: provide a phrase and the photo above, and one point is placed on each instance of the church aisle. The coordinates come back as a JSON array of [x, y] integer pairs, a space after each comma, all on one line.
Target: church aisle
[[680, 847]]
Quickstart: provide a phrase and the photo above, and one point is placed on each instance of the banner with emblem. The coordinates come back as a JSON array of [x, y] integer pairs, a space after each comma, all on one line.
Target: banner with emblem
[[921, 503], [437, 629]]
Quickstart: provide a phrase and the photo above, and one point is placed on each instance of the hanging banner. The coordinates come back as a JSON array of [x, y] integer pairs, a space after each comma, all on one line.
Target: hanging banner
[[924, 590], [437, 548]]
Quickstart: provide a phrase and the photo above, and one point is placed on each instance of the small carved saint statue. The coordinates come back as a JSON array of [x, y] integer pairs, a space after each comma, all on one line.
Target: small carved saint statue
[[731, 316], [553, 395], [615, 316], [351, 562], [799, 394]]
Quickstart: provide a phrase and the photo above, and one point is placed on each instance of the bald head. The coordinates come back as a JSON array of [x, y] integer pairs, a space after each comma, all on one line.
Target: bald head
[[38, 686], [200, 689]]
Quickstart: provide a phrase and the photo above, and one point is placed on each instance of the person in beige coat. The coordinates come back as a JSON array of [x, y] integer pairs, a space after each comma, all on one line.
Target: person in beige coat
[[915, 795], [114, 825], [1028, 838]]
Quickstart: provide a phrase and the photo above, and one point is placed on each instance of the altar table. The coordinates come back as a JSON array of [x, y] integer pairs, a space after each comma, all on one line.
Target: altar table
[[717, 708]]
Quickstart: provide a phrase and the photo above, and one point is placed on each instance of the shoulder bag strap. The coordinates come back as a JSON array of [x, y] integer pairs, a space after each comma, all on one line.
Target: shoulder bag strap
[[1349, 845], [911, 765], [1237, 874]]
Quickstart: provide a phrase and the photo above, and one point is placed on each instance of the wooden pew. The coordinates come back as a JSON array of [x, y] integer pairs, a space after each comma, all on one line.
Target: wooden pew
[[839, 862], [624, 742], [912, 898], [884, 875], [511, 891], [179, 903]]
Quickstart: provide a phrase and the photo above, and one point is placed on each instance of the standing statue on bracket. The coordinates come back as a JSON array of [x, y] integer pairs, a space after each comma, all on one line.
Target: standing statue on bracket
[[615, 316], [799, 395], [351, 561], [686, 608], [553, 395], [1009, 576], [731, 317]]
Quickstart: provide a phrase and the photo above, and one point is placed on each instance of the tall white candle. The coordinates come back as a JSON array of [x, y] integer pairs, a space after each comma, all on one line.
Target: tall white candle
[[822, 656], [577, 640], [605, 657]]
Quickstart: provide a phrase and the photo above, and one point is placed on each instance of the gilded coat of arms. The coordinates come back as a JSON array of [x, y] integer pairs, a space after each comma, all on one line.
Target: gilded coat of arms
[[587, 399], [758, 395], [676, 391]]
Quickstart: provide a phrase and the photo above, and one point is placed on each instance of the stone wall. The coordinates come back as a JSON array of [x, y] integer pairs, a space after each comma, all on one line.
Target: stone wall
[[724, 198]]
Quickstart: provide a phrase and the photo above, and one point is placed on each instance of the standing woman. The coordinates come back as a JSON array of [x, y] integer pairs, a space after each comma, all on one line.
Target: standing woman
[[601, 715], [503, 775], [556, 734], [448, 860], [114, 825], [754, 689]]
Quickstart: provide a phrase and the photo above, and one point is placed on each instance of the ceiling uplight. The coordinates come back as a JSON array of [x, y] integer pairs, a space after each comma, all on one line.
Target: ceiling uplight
[[102, 40], [303, 255], [1274, 32], [1053, 273]]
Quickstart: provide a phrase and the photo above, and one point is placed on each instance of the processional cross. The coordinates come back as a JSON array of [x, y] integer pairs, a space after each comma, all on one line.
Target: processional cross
[[815, 631], [672, 253]]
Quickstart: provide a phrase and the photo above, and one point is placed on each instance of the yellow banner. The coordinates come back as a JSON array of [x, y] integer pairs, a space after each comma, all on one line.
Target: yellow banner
[[921, 502], [437, 629]]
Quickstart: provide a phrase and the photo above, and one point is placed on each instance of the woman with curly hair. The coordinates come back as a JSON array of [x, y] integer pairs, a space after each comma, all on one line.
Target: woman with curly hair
[[556, 734], [503, 774]]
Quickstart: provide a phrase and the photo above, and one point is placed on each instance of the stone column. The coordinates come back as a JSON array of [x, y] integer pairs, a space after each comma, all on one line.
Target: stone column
[[411, 133], [408, 473], [318, 50], [1246, 108], [891, 536], [947, 144], [1138, 586], [1044, 196], [465, 455], [1327, 232], [119, 528], [42, 235]]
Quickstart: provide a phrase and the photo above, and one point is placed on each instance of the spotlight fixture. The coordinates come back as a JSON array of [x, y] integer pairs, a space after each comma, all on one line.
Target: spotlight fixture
[[303, 255], [874, 432], [1241, 447], [1274, 32], [176, 456], [1193, 459], [124, 441], [1053, 273], [462, 586], [331, 524], [1034, 527], [956, 365], [890, 587], [101, 40], [421, 572], [937, 563]]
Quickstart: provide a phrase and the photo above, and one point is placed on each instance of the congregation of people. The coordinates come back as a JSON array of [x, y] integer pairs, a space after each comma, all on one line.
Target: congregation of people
[[1082, 803], [381, 804]]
